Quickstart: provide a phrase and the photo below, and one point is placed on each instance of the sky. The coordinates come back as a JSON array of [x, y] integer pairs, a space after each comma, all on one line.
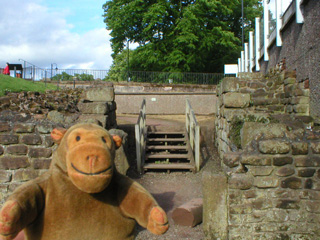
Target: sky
[[69, 33]]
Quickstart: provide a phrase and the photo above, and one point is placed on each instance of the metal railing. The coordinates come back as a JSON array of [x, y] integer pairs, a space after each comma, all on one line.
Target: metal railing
[[174, 78], [193, 131], [140, 136]]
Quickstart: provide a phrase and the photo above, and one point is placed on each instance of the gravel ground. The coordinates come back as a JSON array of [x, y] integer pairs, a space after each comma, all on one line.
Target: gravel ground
[[172, 190]]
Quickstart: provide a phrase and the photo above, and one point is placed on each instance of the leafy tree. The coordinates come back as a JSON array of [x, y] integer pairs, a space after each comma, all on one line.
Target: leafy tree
[[119, 69], [84, 77], [179, 36], [63, 76]]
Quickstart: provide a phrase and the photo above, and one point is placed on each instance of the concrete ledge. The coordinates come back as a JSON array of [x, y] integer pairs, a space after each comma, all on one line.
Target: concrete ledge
[[215, 210]]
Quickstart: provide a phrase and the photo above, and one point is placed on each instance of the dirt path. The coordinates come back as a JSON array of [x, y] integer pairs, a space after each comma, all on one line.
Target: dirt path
[[176, 188]]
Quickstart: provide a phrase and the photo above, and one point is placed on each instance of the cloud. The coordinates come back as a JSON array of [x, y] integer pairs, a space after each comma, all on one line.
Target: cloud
[[39, 35]]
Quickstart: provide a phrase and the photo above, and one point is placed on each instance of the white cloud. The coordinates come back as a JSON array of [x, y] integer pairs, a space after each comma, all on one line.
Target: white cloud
[[32, 32]]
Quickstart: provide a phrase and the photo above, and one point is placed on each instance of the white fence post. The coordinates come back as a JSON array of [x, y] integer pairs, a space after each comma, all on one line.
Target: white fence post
[[246, 57], [257, 42], [299, 16], [250, 51], [266, 29], [278, 22]]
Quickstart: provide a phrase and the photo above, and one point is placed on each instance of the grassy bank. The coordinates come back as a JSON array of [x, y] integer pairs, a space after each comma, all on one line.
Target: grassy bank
[[11, 84]]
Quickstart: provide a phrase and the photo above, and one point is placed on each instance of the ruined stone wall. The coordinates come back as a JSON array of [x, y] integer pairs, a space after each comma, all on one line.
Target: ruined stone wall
[[270, 171], [301, 50], [27, 119], [255, 97]]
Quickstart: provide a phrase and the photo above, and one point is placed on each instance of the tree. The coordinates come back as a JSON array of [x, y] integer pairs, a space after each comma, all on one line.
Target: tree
[[63, 76], [179, 36]]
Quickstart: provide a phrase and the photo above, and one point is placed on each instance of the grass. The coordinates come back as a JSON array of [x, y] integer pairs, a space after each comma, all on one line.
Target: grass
[[11, 84]]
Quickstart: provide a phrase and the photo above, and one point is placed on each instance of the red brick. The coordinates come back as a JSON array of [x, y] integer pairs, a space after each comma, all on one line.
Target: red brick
[[4, 127], [23, 128]]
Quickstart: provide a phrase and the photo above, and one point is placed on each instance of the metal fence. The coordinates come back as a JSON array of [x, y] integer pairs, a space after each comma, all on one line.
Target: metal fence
[[38, 74], [175, 78]]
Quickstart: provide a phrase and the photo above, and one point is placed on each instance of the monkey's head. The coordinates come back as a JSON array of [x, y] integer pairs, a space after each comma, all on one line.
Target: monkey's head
[[88, 152]]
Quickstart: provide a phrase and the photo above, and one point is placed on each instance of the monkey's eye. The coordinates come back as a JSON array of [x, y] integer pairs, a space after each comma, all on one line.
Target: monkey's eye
[[104, 140], [78, 138]]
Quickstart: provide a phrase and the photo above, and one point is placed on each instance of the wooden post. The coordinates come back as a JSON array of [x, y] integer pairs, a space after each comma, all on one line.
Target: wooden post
[[189, 214]]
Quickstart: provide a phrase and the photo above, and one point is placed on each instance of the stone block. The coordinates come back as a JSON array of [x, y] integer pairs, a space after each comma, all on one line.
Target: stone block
[[308, 183], [305, 161], [315, 147], [9, 139], [236, 100], [274, 147], [41, 163], [289, 81], [292, 182], [40, 153], [240, 181], [56, 117], [13, 162], [44, 127], [5, 127], [301, 108], [300, 100], [93, 107], [5, 176], [281, 161], [231, 159], [288, 204], [285, 172], [215, 209], [101, 94], [23, 127], [253, 130], [93, 118], [266, 182], [23, 175], [17, 149], [256, 160], [260, 170], [308, 172], [33, 139], [229, 84], [48, 142], [299, 148]]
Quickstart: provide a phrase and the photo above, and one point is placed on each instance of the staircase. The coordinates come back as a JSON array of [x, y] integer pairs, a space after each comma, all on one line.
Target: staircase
[[168, 151]]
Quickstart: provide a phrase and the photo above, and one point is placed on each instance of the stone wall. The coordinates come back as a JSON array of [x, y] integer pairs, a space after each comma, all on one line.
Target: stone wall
[[27, 119], [269, 180], [255, 97]]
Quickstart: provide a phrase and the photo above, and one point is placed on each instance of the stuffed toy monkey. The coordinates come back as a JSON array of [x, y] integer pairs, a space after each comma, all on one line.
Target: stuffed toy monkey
[[82, 196]]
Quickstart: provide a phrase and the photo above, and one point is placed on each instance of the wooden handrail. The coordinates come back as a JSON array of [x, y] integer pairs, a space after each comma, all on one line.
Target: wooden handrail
[[140, 135], [193, 131]]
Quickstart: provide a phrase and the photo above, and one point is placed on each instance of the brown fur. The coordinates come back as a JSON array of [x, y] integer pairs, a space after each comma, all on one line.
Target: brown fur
[[82, 196]]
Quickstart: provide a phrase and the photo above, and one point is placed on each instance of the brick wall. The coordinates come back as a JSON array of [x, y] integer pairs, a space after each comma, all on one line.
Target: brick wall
[[25, 143]]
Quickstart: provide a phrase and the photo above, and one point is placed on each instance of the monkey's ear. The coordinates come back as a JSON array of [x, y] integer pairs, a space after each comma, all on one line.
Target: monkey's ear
[[57, 134], [117, 140]]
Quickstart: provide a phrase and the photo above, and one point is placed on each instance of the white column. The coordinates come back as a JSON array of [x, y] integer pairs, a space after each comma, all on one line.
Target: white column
[[250, 51], [265, 30], [299, 16], [246, 57], [257, 40], [242, 61], [239, 65], [278, 22]]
